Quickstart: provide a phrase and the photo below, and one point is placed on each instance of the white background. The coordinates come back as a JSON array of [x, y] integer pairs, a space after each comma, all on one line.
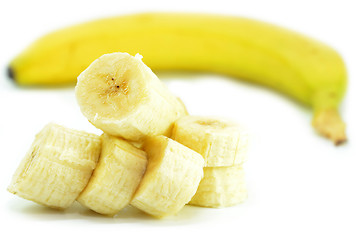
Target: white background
[[300, 185]]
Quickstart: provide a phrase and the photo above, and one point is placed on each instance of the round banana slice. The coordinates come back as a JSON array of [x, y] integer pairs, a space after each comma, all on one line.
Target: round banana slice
[[120, 95], [221, 187], [57, 167], [116, 178], [171, 179], [221, 142]]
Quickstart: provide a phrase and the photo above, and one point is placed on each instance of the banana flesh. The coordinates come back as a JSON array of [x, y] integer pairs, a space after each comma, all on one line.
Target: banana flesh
[[120, 95], [220, 141], [119, 171], [171, 179], [221, 187], [57, 167]]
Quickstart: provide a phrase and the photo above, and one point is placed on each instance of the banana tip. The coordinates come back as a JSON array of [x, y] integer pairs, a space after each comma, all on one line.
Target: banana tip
[[338, 142], [329, 123], [10, 73]]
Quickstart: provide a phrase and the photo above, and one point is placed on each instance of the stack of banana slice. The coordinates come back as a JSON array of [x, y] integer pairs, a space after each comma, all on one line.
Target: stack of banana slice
[[223, 145], [135, 161]]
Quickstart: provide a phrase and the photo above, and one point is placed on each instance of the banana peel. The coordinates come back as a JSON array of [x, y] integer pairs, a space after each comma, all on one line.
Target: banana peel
[[303, 68]]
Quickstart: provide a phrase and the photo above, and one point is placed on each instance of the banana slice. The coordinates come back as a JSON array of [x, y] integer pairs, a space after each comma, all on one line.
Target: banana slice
[[221, 142], [171, 179], [221, 187], [114, 181], [120, 95], [57, 167]]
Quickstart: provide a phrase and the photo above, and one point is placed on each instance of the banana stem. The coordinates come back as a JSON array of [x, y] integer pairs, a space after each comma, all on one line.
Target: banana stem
[[329, 123]]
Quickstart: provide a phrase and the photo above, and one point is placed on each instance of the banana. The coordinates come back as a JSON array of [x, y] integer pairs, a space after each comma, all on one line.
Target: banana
[[57, 167], [221, 187], [114, 181], [300, 67], [171, 178], [120, 95], [220, 141]]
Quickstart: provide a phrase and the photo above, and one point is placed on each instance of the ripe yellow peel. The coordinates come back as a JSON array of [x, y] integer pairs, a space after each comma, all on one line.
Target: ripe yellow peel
[[302, 68]]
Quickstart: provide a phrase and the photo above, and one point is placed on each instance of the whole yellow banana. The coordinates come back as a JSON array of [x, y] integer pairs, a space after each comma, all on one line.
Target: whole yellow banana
[[298, 66]]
